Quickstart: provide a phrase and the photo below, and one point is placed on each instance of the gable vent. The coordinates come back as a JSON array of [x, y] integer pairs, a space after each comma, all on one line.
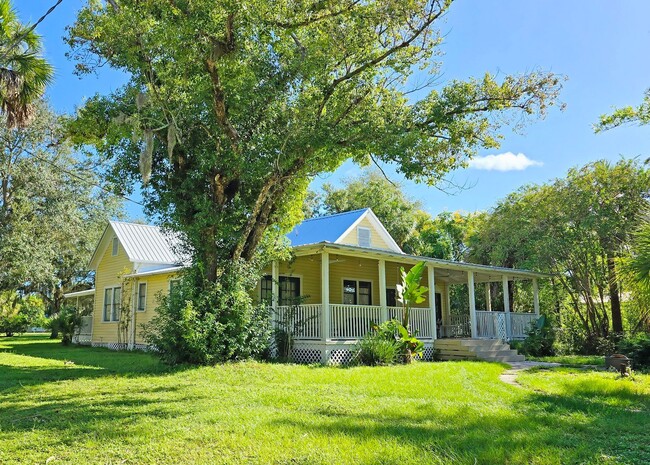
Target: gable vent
[[363, 235]]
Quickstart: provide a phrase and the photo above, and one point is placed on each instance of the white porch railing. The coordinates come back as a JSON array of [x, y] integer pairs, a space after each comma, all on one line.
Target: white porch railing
[[353, 321], [419, 320], [458, 326], [303, 321], [494, 325], [83, 334]]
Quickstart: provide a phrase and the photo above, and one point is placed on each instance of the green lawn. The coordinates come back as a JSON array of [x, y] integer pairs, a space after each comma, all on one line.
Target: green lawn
[[573, 360], [126, 408]]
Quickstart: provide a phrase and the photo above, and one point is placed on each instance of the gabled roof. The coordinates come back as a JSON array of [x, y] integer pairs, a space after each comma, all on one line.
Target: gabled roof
[[334, 228], [325, 228], [143, 244]]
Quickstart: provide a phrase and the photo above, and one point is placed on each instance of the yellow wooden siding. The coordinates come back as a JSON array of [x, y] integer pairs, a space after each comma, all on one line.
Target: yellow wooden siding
[[376, 241], [358, 269], [109, 270], [157, 285]]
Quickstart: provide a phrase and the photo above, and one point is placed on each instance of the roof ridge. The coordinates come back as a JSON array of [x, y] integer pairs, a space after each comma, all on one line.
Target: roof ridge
[[131, 223], [336, 214]]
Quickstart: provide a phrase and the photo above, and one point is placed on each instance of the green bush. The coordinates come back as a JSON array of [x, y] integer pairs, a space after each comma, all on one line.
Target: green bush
[[66, 323], [390, 333], [637, 347], [204, 323], [539, 338], [375, 349]]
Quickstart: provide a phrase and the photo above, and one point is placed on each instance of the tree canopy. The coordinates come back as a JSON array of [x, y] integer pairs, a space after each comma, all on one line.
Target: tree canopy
[[51, 210], [232, 107]]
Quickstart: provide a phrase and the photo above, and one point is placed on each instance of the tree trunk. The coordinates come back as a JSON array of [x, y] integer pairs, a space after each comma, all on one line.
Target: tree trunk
[[614, 297]]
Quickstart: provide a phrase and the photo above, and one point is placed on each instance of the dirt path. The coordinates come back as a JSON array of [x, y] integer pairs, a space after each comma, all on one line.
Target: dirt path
[[510, 376]]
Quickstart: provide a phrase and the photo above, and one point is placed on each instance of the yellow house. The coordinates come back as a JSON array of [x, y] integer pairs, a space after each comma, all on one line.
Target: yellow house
[[341, 280]]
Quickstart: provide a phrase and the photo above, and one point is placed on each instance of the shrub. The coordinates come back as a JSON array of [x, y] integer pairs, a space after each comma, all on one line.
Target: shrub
[[375, 349], [407, 347], [539, 338], [66, 323], [637, 347], [204, 323]]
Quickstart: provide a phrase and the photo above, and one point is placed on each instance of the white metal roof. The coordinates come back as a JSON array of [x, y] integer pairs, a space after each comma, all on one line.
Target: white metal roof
[[147, 244]]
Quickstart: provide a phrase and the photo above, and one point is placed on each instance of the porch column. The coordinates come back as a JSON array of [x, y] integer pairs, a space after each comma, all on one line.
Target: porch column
[[472, 303], [325, 295], [275, 286], [506, 305], [432, 300], [535, 296], [382, 290], [488, 297]]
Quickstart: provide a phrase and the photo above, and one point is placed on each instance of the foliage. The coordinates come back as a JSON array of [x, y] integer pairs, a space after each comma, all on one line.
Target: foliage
[[539, 338], [51, 215], [106, 406], [286, 325], [627, 115], [637, 347], [376, 349], [576, 228], [201, 325], [410, 291], [24, 73], [67, 321], [18, 313], [393, 334], [373, 190]]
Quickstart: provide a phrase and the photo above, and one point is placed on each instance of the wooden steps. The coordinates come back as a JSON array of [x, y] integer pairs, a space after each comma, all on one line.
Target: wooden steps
[[492, 350]]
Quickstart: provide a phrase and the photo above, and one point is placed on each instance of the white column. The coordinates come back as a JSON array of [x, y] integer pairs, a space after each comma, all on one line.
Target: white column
[[432, 300], [134, 306], [382, 290], [325, 295], [275, 285], [488, 297], [536, 296], [472, 302], [506, 305]]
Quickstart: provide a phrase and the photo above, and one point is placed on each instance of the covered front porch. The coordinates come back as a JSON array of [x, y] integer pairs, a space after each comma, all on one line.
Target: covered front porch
[[324, 318]]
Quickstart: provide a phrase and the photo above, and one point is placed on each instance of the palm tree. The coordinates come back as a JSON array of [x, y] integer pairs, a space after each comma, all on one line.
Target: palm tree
[[24, 74]]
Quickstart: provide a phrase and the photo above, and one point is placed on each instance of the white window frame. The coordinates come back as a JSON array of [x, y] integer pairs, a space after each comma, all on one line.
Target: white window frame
[[112, 304], [137, 308], [300, 281], [363, 228], [363, 280], [115, 247]]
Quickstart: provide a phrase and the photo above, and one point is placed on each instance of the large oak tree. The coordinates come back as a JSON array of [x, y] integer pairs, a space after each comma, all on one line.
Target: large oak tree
[[233, 106]]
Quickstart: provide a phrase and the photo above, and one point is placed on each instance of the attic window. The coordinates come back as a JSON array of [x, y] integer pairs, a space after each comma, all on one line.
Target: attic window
[[115, 244], [363, 235]]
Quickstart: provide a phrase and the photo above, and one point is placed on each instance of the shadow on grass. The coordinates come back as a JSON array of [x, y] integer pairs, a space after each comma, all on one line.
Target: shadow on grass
[[75, 362]]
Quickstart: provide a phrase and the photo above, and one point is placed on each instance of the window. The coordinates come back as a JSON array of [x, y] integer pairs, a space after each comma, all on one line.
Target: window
[[142, 297], [289, 287], [357, 292], [173, 285], [112, 303], [349, 292], [115, 246], [363, 236], [391, 297]]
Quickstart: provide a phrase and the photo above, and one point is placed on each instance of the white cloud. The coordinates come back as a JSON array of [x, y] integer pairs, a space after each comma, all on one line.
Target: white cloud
[[503, 162]]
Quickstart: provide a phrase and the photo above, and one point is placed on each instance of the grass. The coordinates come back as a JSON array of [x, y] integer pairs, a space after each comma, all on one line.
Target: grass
[[573, 360], [110, 408]]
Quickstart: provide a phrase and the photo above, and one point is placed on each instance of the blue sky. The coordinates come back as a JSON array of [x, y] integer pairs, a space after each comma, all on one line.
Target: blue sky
[[601, 46]]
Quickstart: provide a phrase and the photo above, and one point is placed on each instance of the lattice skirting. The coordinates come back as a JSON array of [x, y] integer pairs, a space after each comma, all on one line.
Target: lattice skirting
[[338, 353], [121, 346]]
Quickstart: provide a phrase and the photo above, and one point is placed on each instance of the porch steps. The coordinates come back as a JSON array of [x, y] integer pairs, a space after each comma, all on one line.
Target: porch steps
[[476, 349]]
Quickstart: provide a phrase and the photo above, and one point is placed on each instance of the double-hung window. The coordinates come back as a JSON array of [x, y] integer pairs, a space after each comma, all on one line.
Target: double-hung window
[[112, 303], [142, 297], [357, 292], [288, 286]]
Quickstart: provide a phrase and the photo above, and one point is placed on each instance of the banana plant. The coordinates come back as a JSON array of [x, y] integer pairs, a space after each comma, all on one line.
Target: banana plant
[[410, 291]]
